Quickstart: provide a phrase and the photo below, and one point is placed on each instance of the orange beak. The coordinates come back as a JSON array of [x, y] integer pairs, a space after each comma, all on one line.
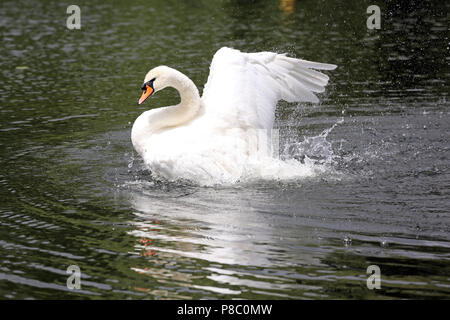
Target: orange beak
[[147, 92]]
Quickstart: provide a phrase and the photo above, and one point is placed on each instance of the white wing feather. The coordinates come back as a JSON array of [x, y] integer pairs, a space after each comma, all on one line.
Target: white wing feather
[[243, 88]]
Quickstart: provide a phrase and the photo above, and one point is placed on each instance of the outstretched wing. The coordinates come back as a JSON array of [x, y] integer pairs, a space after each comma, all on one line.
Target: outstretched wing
[[243, 88]]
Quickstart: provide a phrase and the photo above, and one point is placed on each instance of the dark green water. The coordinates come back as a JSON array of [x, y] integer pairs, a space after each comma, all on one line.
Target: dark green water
[[73, 192]]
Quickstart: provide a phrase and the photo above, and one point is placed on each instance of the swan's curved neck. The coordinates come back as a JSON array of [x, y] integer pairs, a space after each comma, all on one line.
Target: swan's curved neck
[[182, 112], [151, 122], [190, 97]]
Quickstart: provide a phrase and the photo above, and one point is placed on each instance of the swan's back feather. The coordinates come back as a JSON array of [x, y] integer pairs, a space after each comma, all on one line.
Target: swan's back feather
[[243, 88]]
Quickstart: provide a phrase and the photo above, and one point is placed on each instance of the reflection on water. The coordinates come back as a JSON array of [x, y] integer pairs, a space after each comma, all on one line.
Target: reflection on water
[[73, 192], [231, 242], [225, 233], [233, 245], [288, 6]]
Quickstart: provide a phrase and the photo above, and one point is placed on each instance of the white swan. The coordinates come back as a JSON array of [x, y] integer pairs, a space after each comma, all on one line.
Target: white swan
[[221, 136]]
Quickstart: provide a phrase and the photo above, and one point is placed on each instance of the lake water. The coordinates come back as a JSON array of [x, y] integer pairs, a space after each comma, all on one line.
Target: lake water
[[73, 191]]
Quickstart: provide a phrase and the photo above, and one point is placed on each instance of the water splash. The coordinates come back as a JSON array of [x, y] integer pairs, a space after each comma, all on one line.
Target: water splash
[[315, 150]]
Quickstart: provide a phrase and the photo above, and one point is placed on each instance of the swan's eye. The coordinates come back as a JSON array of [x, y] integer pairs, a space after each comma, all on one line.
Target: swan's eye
[[149, 83]]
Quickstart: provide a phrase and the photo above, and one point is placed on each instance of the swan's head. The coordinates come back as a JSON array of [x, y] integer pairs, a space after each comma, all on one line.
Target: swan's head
[[155, 80]]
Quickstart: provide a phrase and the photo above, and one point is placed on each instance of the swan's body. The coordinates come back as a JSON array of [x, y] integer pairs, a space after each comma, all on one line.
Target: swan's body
[[218, 137]]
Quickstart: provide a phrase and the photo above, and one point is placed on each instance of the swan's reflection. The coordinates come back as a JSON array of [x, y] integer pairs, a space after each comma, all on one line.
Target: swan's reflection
[[203, 227], [225, 236]]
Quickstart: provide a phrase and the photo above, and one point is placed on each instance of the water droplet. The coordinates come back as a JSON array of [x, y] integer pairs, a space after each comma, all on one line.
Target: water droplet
[[347, 241]]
